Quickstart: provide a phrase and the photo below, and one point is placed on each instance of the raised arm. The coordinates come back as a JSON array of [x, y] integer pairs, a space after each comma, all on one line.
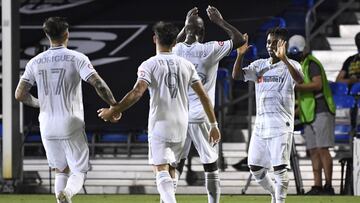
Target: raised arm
[[238, 73], [102, 89], [127, 101], [215, 135], [182, 35], [281, 54], [22, 94], [235, 35]]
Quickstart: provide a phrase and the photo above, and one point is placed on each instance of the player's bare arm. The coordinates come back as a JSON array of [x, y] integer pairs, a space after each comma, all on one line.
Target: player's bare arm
[[182, 35], [216, 17], [22, 94], [102, 89], [214, 135], [108, 114], [238, 73], [341, 78], [281, 54], [314, 85]]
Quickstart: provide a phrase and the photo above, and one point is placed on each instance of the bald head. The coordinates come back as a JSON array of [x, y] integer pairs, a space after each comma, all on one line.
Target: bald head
[[194, 25]]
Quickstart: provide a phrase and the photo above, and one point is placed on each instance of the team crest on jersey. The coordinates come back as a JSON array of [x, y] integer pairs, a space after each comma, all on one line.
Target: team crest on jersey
[[90, 66], [141, 73], [221, 43]]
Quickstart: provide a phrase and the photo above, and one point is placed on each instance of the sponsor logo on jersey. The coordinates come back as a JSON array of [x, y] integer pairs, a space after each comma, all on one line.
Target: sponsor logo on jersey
[[262, 79], [221, 43]]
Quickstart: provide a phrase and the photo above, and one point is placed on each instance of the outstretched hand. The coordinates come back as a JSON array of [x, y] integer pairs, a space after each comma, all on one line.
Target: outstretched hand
[[214, 136], [281, 50], [243, 49], [193, 12], [214, 14], [109, 114]]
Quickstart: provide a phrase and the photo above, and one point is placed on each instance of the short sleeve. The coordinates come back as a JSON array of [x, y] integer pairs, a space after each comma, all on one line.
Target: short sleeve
[[346, 65], [144, 72], [28, 75], [314, 70], [221, 49], [85, 68], [250, 73]]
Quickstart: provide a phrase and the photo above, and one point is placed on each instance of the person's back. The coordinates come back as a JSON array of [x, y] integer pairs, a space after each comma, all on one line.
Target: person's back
[[205, 57], [169, 77], [57, 73]]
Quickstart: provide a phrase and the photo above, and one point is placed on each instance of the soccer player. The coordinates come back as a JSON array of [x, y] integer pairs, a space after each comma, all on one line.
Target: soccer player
[[270, 144], [168, 78], [57, 73], [205, 57]]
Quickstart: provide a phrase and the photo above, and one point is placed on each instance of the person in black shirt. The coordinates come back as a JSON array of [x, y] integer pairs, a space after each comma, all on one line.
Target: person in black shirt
[[350, 72]]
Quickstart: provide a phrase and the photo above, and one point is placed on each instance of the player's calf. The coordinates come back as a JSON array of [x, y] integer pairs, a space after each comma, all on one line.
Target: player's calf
[[212, 182], [262, 177], [282, 183]]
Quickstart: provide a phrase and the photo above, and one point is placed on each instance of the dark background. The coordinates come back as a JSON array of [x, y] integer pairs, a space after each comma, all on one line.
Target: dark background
[[247, 16]]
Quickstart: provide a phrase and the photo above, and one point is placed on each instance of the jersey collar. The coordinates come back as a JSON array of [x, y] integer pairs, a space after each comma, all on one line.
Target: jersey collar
[[57, 47]]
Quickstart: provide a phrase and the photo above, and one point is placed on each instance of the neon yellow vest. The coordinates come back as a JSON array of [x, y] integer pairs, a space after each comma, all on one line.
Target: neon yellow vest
[[306, 99]]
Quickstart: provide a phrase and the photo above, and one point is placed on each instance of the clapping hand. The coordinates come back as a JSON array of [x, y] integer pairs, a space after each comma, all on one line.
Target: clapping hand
[[243, 49], [214, 14], [281, 50]]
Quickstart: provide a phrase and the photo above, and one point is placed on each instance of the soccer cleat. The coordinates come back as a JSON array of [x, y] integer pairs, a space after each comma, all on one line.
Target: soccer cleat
[[315, 190], [63, 197], [328, 190]]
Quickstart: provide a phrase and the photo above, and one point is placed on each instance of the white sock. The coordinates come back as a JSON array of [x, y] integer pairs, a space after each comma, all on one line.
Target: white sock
[[262, 177], [60, 182], [212, 183], [165, 186], [282, 183], [74, 184]]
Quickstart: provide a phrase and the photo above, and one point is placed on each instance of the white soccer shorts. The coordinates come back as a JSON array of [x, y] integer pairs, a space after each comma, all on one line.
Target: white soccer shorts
[[269, 152], [198, 133], [72, 152], [161, 152]]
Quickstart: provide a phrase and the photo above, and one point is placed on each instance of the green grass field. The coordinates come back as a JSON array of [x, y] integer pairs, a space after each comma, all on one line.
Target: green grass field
[[180, 199]]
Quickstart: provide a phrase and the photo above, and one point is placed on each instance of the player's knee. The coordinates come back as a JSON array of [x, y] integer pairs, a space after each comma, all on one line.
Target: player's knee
[[282, 177], [163, 177], [255, 168], [211, 167], [66, 170], [280, 167], [180, 166], [258, 174]]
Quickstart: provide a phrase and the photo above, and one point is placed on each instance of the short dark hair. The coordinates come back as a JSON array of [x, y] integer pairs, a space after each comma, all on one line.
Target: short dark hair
[[55, 27], [278, 32], [166, 32], [357, 40]]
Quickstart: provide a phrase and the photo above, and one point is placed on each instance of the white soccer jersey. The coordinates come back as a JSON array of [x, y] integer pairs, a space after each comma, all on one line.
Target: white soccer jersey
[[206, 59], [169, 77], [275, 100], [57, 73]]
